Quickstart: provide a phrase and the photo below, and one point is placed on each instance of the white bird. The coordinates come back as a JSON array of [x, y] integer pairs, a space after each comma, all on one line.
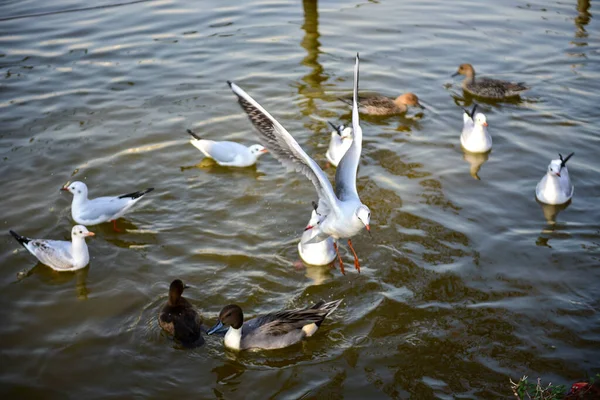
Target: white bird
[[228, 154], [321, 253], [342, 213], [341, 139], [101, 209], [475, 137], [555, 187], [60, 255]]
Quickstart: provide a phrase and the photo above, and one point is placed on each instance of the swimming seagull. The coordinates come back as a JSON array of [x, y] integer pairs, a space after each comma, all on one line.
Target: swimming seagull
[[341, 139], [555, 187], [101, 209], [179, 318], [60, 255], [271, 331], [321, 253], [487, 87], [382, 105], [228, 154], [342, 213], [475, 137]]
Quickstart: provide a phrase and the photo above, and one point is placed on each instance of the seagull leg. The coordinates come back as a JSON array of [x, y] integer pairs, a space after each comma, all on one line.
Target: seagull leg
[[115, 226], [356, 263], [335, 246]]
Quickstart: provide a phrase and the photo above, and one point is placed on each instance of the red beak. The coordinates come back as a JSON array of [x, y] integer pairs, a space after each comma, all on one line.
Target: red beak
[[368, 228], [485, 124], [64, 188], [558, 174], [264, 151]]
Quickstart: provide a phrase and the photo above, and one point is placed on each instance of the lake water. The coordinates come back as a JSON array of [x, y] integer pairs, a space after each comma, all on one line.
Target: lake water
[[465, 282]]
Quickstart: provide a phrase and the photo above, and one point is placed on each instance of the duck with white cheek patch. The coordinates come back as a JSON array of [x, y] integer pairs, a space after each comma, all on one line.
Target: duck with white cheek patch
[[271, 331], [60, 255], [555, 187], [101, 209]]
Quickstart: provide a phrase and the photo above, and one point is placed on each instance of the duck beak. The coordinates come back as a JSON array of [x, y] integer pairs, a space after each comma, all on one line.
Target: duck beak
[[454, 74], [186, 287], [90, 234], [420, 106], [215, 328]]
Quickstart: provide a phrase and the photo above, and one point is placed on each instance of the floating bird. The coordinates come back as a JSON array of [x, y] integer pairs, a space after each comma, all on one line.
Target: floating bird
[[179, 318], [555, 187], [322, 253], [341, 139], [101, 209], [487, 87], [475, 137], [228, 154], [342, 213], [60, 255], [382, 105], [271, 331]]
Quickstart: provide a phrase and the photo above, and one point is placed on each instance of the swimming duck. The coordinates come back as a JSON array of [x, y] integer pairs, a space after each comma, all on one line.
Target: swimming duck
[[475, 137], [179, 318], [487, 87], [271, 331], [101, 209], [228, 154], [555, 187], [341, 139], [321, 253], [382, 105], [60, 255]]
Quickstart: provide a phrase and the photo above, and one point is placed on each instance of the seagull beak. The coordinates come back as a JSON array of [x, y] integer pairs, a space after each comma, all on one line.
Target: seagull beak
[[215, 328], [90, 234], [368, 228], [558, 174], [485, 124], [66, 189], [454, 74], [308, 227], [264, 151]]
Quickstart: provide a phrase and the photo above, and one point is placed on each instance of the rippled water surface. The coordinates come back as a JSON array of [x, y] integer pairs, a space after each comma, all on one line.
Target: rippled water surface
[[466, 282]]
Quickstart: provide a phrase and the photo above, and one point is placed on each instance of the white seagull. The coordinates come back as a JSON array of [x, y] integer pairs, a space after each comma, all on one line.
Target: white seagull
[[341, 139], [101, 209], [322, 253], [228, 154], [475, 137], [342, 215], [60, 255], [555, 187]]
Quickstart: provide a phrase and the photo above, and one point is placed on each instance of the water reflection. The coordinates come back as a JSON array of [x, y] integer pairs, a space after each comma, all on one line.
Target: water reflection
[[582, 19], [52, 277], [229, 371], [552, 210], [476, 160]]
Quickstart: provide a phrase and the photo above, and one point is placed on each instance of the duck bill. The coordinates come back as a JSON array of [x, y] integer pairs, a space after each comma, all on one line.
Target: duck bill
[[215, 328], [455, 74], [420, 106]]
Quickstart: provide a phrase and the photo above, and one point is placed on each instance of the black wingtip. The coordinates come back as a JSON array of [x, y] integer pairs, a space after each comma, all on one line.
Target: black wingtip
[[472, 112], [229, 83], [136, 195], [335, 128], [357, 56], [21, 239], [193, 134], [563, 162]]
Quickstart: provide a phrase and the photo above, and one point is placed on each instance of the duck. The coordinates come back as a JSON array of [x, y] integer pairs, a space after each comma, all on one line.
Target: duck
[[341, 140], [321, 253], [271, 331], [486, 87], [383, 105], [475, 137], [101, 209], [228, 154], [555, 187], [179, 318], [60, 255]]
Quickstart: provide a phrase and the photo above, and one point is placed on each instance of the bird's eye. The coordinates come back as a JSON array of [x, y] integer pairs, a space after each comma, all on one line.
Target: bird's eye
[[73, 187], [369, 215], [80, 231]]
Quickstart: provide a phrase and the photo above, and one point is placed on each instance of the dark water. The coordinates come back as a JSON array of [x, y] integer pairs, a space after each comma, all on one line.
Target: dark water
[[464, 284]]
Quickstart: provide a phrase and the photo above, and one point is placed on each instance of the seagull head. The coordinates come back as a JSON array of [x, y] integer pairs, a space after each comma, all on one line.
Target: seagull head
[[77, 189], [257, 150], [554, 167], [346, 132], [81, 231], [364, 215], [480, 119]]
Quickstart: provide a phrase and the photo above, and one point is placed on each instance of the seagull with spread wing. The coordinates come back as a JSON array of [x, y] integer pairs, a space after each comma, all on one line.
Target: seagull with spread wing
[[342, 214]]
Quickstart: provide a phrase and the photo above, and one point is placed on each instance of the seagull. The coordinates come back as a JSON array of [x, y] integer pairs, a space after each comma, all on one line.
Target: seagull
[[475, 137], [341, 139], [271, 331], [342, 213], [383, 105], [179, 318], [321, 253], [60, 255], [101, 209], [228, 154], [487, 87], [555, 187]]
